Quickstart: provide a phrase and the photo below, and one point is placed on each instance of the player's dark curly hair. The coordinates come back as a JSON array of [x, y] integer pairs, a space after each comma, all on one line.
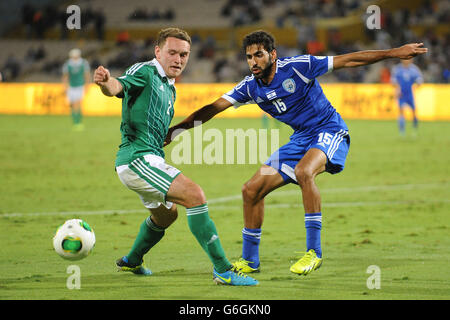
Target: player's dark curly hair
[[259, 37]]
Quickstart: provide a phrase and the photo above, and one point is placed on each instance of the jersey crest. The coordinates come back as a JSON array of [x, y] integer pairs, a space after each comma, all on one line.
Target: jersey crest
[[289, 85]]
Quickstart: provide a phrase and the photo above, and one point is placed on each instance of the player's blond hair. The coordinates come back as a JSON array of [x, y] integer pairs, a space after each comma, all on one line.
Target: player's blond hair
[[172, 32], [75, 53]]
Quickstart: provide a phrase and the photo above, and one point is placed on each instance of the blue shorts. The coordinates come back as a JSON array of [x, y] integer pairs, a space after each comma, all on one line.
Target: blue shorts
[[406, 100], [334, 142]]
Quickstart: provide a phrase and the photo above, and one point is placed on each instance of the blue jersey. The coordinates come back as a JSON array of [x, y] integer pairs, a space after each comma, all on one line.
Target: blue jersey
[[405, 77], [294, 96]]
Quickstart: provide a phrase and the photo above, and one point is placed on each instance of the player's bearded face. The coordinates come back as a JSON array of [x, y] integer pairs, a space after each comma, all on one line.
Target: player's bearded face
[[173, 56], [259, 61]]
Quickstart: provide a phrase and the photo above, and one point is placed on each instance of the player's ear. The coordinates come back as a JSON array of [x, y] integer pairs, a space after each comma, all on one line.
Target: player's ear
[[157, 52], [273, 55]]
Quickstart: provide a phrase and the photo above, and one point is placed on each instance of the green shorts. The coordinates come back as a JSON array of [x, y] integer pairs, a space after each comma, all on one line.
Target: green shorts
[[150, 177]]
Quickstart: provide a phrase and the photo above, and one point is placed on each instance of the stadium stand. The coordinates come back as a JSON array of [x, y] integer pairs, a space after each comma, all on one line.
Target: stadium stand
[[35, 39]]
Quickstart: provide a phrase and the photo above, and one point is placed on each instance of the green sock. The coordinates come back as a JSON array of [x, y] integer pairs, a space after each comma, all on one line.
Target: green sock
[[76, 116], [79, 116], [149, 235], [204, 230]]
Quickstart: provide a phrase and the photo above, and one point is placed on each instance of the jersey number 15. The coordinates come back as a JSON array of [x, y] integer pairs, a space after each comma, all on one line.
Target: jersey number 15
[[279, 105]]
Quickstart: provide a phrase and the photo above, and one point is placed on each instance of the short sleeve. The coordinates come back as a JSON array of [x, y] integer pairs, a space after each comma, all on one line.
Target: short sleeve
[[65, 68], [308, 67], [394, 75], [419, 76], [135, 78], [319, 65], [87, 68], [239, 95]]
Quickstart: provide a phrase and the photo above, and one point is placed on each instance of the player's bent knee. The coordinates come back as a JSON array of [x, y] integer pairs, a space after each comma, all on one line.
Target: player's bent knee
[[185, 192], [250, 193], [195, 197], [164, 217], [304, 174]]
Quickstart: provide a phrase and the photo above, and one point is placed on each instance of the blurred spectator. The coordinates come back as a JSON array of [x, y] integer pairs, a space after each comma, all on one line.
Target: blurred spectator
[[53, 66], [385, 75], [169, 15], [242, 12], [11, 67], [219, 65], [208, 48], [315, 48], [95, 63], [33, 55], [50, 15], [334, 40], [123, 38], [38, 24], [141, 14], [99, 23], [87, 16], [129, 54], [27, 19], [62, 19], [446, 75]]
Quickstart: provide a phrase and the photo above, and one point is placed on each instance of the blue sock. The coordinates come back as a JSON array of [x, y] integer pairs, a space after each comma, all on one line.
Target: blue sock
[[250, 246], [313, 225], [401, 124]]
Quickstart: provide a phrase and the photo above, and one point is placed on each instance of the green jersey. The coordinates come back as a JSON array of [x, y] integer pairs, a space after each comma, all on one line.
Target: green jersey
[[148, 97], [76, 70]]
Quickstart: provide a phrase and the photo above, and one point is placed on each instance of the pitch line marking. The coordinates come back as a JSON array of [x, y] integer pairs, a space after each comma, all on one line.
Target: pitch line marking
[[342, 190], [278, 205]]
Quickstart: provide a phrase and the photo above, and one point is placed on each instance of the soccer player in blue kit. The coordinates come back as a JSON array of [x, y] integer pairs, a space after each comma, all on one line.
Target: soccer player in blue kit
[[404, 76], [287, 89]]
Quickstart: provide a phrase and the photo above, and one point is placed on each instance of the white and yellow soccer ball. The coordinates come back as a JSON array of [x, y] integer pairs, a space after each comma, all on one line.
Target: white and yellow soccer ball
[[74, 240]]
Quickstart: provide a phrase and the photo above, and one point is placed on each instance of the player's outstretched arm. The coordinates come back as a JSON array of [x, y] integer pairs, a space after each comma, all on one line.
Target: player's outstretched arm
[[199, 116], [109, 85], [362, 58]]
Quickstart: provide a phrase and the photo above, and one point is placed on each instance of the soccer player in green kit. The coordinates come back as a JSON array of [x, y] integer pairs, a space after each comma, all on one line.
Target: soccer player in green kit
[[76, 74], [148, 96]]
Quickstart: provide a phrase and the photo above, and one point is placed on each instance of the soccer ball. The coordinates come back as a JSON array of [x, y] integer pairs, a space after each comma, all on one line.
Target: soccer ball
[[74, 240]]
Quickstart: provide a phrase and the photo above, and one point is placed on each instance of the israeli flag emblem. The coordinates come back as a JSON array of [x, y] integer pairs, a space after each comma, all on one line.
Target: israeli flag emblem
[[289, 85]]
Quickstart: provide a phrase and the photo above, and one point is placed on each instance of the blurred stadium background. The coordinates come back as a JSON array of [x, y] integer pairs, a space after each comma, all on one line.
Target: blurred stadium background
[[35, 39]]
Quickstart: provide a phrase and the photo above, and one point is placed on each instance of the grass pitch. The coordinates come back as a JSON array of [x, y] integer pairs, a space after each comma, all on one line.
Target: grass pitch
[[389, 208]]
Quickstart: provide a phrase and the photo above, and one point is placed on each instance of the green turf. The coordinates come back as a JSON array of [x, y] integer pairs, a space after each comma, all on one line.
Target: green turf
[[389, 208]]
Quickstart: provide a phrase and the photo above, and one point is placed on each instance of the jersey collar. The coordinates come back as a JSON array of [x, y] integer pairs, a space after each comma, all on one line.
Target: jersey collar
[[75, 62], [161, 71]]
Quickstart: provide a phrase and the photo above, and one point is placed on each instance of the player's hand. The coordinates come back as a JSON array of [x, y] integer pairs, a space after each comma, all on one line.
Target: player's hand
[[409, 51], [169, 136], [172, 133], [101, 75]]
